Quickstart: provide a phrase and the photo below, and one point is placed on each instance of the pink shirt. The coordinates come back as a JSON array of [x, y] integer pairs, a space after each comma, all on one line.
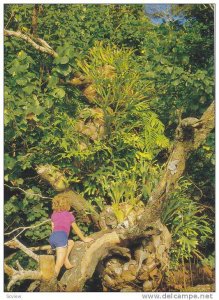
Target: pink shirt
[[62, 221]]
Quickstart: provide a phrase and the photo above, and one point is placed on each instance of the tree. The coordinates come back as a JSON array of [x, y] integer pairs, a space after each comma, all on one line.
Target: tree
[[104, 138]]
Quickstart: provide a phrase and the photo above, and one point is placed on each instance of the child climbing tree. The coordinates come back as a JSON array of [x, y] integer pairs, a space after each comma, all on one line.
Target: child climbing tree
[[107, 117]]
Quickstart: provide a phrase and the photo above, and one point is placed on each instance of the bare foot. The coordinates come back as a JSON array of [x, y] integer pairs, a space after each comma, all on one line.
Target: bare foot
[[68, 265]]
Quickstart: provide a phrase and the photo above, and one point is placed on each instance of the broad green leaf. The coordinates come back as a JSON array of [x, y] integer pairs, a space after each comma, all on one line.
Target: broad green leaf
[[9, 162], [21, 82], [29, 89], [22, 55], [64, 60], [59, 93]]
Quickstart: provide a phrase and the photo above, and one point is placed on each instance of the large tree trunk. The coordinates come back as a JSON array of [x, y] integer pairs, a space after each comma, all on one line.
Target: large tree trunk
[[119, 268]]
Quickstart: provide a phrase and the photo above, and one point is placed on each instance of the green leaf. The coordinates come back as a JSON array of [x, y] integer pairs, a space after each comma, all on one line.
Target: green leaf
[[48, 102], [176, 82], [21, 82], [164, 61], [185, 60], [64, 60], [168, 70], [19, 181], [53, 80], [64, 70], [9, 162], [29, 89], [22, 55], [150, 74], [59, 93]]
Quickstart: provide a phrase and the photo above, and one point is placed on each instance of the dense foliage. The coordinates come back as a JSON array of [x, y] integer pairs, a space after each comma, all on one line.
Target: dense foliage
[[159, 74]]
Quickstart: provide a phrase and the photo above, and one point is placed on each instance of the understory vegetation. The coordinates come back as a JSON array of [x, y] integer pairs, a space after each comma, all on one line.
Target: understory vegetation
[[103, 110]]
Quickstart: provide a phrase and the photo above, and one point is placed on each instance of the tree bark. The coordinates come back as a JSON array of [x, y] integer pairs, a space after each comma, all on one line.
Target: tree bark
[[85, 258]]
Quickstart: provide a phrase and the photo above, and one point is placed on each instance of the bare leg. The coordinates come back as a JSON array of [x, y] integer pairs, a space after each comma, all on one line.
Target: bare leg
[[60, 258], [67, 263]]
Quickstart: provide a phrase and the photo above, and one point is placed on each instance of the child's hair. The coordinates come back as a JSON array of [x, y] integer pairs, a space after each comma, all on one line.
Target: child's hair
[[61, 202]]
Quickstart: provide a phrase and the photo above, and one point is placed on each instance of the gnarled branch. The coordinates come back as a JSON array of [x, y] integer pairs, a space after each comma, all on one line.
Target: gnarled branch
[[20, 274], [29, 40], [85, 259], [15, 244], [23, 275], [45, 272]]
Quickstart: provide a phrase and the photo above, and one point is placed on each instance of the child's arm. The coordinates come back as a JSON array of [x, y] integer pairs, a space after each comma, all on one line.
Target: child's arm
[[52, 224], [80, 234]]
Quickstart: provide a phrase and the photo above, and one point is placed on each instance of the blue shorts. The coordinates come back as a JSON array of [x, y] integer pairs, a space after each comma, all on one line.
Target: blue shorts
[[58, 239]]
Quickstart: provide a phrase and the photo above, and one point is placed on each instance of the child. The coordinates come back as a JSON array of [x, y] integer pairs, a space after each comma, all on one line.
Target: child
[[62, 220]]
